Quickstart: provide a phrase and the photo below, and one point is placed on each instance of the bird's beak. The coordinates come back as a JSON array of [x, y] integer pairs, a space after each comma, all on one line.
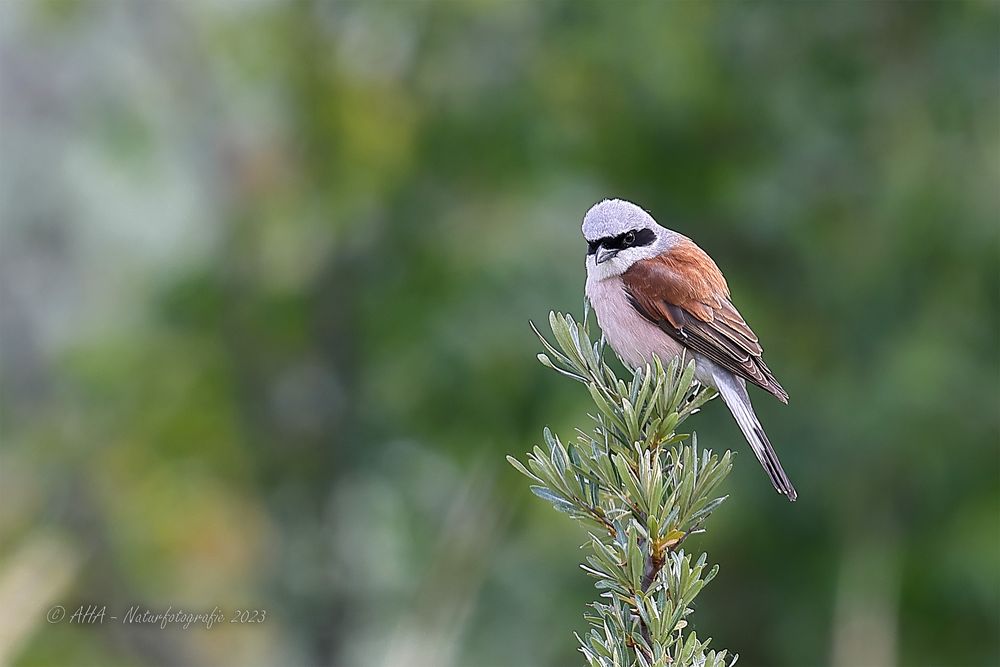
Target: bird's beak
[[604, 254]]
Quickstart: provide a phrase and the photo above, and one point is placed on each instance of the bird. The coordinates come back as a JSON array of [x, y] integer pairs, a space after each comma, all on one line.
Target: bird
[[656, 293]]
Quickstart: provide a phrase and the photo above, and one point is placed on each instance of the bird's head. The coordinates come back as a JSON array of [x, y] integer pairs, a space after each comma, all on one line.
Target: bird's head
[[619, 234]]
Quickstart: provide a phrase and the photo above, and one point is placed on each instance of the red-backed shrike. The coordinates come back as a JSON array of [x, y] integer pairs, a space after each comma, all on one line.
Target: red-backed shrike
[[656, 293]]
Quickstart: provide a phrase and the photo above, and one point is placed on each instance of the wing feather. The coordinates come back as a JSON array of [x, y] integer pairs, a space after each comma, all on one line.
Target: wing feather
[[683, 292]]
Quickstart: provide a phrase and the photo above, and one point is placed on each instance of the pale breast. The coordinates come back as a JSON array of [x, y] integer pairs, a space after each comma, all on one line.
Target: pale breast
[[634, 338]]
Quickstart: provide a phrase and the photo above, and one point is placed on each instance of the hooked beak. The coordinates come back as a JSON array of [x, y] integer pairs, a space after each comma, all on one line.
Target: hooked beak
[[604, 254]]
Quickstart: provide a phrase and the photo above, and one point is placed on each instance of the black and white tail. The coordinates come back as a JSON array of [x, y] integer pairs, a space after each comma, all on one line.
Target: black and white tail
[[734, 393]]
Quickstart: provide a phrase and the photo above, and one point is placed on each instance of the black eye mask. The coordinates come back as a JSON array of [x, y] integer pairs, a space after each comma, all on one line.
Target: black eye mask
[[640, 237]]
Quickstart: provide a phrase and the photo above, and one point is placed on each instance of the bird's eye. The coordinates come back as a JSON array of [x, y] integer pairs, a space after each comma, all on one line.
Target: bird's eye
[[629, 238]]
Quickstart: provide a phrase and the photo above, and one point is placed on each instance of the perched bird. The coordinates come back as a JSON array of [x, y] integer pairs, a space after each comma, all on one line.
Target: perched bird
[[657, 293]]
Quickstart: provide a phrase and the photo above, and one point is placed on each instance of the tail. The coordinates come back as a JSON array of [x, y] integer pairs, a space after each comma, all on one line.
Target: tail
[[734, 393]]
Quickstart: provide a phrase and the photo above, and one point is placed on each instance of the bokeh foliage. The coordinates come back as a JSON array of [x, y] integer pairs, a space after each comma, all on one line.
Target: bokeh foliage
[[265, 270]]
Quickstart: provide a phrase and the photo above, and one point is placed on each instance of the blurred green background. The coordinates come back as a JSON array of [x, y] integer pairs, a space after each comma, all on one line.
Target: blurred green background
[[267, 270]]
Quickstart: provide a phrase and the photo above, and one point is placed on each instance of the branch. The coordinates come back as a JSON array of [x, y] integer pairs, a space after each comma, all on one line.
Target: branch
[[640, 488]]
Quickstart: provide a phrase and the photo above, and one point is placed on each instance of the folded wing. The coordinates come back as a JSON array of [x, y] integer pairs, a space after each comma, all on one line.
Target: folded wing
[[683, 292]]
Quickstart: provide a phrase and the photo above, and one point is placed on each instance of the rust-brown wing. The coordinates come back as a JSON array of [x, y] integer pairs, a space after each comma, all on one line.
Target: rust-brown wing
[[683, 292]]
